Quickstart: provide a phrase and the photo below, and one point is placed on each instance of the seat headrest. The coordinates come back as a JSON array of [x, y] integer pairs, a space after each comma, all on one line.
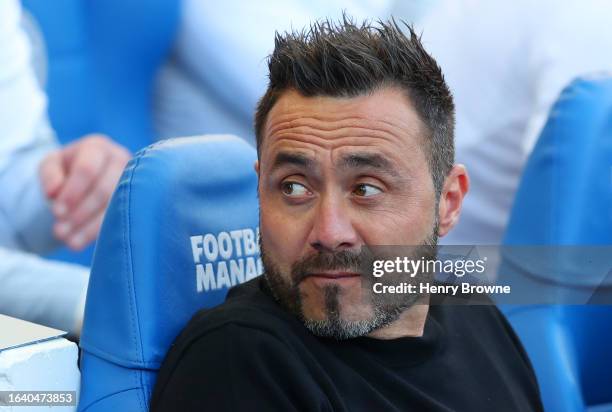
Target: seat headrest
[[565, 195], [181, 228], [564, 201]]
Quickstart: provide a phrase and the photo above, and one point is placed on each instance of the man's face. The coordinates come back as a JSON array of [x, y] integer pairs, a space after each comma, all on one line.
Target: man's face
[[336, 175]]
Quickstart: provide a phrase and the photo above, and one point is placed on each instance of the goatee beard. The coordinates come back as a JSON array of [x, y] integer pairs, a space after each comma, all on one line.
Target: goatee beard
[[385, 309]]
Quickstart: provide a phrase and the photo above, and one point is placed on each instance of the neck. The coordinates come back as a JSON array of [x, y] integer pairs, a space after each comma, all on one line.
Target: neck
[[410, 323]]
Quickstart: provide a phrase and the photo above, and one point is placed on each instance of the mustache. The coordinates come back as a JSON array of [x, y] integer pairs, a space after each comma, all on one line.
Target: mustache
[[345, 260]]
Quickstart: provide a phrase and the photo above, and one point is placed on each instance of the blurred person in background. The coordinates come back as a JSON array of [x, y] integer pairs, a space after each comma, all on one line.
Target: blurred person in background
[[505, 62], [50, 195]]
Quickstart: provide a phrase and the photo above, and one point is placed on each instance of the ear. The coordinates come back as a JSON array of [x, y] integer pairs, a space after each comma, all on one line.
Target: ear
[[256, 167], [456, 185]]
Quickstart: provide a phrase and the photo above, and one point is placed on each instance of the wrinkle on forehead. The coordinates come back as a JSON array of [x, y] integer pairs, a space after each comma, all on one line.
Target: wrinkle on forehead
[[384, 119], [323, 124]]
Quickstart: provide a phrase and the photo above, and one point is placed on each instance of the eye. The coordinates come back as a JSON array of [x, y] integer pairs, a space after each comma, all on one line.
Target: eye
[[365, 190], [294, 189]]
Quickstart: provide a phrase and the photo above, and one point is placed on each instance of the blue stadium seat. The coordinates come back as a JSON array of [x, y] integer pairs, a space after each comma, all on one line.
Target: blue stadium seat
[[102, 60], [565, 199], [182, 227]]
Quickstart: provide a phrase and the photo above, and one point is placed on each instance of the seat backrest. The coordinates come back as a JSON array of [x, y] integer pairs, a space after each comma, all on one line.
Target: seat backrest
[[564, 204], [181, 228]]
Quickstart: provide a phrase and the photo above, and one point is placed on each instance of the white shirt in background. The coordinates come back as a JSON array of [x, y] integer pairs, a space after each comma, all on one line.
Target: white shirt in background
[[506, 63], [218, 70], [31, 288]]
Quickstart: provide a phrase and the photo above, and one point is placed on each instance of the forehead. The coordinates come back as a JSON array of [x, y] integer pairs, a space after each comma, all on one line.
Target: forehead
[[383, 121]]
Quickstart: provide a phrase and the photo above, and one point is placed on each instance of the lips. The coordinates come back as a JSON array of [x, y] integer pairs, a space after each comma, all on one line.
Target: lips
[[334, 275]]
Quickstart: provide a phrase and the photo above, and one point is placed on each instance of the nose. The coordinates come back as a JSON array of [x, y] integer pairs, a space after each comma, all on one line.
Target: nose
[[332, 229]]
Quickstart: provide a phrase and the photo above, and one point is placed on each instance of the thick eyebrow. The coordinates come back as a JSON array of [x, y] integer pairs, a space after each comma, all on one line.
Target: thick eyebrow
[[288, 158], [369, 161]]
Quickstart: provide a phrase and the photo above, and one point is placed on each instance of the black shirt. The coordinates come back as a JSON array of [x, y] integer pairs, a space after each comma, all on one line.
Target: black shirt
[[251, 355]]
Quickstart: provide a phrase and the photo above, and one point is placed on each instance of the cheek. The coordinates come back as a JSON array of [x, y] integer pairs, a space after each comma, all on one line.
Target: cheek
[[405, 220], [282, 236]]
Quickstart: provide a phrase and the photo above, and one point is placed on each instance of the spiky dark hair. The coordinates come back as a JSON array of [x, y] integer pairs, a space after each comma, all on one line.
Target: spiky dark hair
[[344, 59]]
